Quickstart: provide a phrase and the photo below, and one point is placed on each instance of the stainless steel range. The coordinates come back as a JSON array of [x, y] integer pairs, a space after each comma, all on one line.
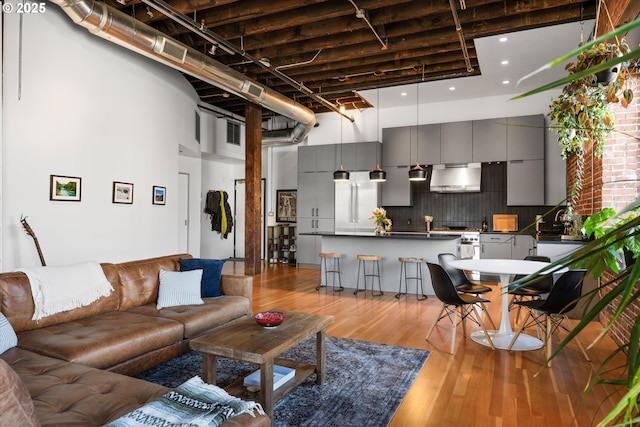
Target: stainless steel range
[[469, 242]]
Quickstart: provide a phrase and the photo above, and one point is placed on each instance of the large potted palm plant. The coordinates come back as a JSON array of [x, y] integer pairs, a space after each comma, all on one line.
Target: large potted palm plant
[[615, 244]]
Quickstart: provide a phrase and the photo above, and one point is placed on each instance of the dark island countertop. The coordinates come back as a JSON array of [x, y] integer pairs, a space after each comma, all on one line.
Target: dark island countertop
[[422, 235]]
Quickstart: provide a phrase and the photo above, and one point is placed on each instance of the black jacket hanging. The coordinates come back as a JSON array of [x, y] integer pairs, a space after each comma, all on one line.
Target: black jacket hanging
[[217, 206]]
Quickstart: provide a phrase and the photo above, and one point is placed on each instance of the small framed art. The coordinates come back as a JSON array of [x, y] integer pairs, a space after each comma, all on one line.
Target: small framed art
[[159, 195], [122, 192], [65, 188]]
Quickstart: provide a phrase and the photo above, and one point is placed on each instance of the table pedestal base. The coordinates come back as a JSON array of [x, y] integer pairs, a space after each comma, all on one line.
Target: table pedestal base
[[502, 340]]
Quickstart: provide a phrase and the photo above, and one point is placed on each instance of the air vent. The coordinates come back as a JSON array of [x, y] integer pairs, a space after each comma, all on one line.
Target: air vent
[[252, 89], [170, 49]]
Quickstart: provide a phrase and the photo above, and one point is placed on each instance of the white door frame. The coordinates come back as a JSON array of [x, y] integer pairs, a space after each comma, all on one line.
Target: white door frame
[[238, 211]]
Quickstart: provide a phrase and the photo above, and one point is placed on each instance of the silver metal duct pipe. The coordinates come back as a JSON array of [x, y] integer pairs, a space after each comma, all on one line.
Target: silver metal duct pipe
[[120, 28]]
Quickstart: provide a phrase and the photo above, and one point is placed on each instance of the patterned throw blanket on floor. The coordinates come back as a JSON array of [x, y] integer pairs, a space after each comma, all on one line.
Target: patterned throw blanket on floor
[[193, 403]]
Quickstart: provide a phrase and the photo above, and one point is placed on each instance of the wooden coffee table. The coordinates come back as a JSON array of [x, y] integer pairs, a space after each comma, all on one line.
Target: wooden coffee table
[[249, 342]]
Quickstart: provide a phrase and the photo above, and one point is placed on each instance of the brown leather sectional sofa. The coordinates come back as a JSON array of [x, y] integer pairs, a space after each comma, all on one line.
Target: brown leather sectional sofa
[[72, 362]]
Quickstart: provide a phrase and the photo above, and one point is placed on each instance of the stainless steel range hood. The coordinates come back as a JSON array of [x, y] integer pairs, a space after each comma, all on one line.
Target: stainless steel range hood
[[456, 178]]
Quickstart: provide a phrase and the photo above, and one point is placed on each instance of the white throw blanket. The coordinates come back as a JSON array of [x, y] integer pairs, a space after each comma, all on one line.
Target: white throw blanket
[[194, 403], [58, 289]]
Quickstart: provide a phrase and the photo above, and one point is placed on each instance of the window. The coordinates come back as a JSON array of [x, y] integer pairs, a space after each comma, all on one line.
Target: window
[[233, 133], [198, 127]]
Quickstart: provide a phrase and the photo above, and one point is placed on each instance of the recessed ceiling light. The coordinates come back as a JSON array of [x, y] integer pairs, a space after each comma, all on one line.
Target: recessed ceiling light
[[505, 62], [505, 82], [403, 94], [503, 39], [452, 88]]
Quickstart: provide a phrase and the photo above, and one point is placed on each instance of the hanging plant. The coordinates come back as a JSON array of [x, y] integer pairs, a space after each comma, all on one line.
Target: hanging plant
[[582, 109], [581, 112]]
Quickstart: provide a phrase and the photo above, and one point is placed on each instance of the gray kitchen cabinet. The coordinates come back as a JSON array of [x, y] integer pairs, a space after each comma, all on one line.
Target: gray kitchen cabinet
[[428, 144], [396, 146], [312, 158], [368, 155], [525, 137], [315, 209], [396, 190], [525, 183], [316, 201], [308, 248], [359, 156], [555, 169], [456, 142], [495, 246], [506, 246], [346, 156], [490, 140]]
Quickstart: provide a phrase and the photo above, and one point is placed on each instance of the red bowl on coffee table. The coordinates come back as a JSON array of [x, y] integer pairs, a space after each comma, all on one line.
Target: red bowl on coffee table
[[269, 319]]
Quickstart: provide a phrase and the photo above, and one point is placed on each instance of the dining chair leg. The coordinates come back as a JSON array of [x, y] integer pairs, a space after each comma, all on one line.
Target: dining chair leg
[[582, 349], [486, 313], [519, 331], [463, 318], [486, 333], [433, 326], [547, 341], [453, 330]]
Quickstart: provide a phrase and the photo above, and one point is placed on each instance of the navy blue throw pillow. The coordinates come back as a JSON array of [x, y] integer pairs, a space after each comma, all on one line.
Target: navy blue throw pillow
[[211, 274]]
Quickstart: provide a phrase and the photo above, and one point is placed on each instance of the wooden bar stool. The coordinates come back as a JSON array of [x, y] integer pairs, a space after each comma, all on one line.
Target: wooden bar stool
[[334, 270], [418, 277], [375, 272]]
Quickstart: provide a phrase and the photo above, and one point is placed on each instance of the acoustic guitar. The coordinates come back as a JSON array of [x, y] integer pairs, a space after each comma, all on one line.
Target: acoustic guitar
[[30, 232]]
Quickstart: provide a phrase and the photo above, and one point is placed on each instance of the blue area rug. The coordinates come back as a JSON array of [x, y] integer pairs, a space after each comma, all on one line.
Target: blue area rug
[[364, 386]]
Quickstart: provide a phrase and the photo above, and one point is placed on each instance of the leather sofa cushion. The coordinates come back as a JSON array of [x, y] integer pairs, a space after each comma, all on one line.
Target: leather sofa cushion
[[139, 280], [68, 394], [17, 302], [103, 340], [200, 318], [16, 405]]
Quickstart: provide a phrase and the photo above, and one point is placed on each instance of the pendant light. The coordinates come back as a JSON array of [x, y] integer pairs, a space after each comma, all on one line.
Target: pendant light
[[378, 175], [417, 173], [341, 174]]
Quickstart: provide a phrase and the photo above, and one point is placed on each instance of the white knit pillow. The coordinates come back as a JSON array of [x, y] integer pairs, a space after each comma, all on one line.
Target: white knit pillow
[[179, 288], [8, 338]]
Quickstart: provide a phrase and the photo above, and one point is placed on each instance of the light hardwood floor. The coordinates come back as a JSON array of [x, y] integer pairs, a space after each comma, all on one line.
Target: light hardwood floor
[[475, 387]]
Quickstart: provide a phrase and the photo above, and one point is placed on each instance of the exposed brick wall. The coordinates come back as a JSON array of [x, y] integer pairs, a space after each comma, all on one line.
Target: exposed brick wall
[[613, 181]]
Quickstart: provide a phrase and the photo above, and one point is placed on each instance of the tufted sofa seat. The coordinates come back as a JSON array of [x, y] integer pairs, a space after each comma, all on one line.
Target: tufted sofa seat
[[72, 363]]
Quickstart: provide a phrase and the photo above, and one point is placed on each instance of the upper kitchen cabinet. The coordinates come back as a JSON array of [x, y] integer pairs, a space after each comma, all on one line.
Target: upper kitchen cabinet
[[312, 158], [368, 155], [555, 169], [359, 156], [428, 144], [525, 183], [396, 190], [525, 138], [456, 142], [490, 140], [396, 146]]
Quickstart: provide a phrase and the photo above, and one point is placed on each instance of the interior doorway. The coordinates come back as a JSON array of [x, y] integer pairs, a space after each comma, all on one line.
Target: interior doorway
[[183, 213], [239, 189]]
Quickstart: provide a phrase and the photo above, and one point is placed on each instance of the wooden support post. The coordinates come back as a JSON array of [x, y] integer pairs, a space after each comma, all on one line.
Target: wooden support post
[[253, 196]]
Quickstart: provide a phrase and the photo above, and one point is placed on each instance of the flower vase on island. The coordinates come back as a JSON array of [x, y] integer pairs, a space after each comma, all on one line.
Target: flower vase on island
[[380, 220]]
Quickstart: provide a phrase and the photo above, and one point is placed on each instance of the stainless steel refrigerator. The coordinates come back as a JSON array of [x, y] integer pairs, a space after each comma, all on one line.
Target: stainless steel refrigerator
[[355, 201]]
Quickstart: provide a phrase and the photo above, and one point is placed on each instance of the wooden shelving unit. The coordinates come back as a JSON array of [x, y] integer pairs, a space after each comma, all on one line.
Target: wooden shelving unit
[[281, 244]]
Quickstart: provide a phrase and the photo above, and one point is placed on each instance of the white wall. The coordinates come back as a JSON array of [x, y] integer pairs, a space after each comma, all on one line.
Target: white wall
[[93, 110]]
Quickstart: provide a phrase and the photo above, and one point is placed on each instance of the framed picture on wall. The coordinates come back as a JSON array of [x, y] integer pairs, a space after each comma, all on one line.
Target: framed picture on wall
[[159, 195], [65, 188], [122, 192], [286, 209]]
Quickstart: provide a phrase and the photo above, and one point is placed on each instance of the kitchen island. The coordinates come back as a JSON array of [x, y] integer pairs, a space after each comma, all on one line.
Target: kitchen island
[[390, 247]]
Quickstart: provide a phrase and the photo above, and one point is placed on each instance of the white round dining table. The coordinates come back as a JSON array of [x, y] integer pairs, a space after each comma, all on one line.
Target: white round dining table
[[505, 268]]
